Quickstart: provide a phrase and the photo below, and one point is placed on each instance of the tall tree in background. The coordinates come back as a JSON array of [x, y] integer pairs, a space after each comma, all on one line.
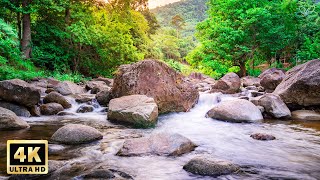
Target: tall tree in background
[[178, 23], [26, 30]]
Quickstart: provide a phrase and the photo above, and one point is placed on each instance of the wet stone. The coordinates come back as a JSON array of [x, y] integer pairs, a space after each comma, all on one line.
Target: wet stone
[[85, 109], [262, 137]]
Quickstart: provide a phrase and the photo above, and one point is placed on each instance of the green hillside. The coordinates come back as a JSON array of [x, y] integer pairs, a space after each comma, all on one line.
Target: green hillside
[[192, 11]]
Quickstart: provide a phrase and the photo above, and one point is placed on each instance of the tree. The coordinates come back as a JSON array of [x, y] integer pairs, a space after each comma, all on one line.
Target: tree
[[178, 23], [237, 31]]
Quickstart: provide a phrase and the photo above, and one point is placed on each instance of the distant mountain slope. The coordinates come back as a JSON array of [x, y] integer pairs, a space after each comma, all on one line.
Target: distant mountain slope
[[192, 11]]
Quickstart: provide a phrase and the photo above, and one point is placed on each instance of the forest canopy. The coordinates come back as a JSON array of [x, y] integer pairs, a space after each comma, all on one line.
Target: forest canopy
[[244, 33], [90, 38]]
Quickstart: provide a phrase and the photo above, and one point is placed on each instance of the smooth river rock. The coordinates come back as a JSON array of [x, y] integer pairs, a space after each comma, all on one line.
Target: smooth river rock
[[228, 84], [67, 88], [271, 78], [236, 110], [17, 109], [54, 97], [162, 144], [103, 97], [20, 92], [139, 110], [155, 79], [51, 108], [273, 105], [208, 166], [301, 86], [262, 136], [76, 134], [85, 109], [307, 115], [10, 121]]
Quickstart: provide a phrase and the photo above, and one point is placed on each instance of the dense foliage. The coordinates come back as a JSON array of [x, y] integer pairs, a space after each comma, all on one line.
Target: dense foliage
[[246, 33], [86, 36], [191, 11], [175, 39]]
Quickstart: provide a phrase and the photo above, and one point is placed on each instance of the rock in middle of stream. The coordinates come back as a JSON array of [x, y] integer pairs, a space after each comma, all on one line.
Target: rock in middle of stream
[[162, 144]]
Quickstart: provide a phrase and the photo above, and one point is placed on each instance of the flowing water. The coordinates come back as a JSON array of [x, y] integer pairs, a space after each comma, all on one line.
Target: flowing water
[[295, 154]]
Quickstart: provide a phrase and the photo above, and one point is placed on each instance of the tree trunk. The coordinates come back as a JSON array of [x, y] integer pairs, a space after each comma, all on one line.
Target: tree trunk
[[19, 25], [243, 70], [67, 16], [26, 32]]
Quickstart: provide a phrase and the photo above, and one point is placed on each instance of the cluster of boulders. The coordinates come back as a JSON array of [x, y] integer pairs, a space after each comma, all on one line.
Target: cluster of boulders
[[46, 96], [142, 91], [274, 94]]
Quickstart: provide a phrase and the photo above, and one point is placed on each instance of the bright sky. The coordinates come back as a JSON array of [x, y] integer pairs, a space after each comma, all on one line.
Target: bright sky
[[155, 3]]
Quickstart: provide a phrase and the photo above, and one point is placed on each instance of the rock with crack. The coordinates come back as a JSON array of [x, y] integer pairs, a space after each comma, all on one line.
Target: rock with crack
[[155, 79]]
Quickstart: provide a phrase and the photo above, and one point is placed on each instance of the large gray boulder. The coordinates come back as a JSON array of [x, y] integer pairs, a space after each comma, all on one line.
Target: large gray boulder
[[10, 121], [51, 108], [67, 88], [208, 166], [76, 134], [229, 84], [157, 80], [54, 97], [162, 144], [138, 110], [236, 110], [271, 78], [301, 86], [17, 109], [20, 92], [273, 105]]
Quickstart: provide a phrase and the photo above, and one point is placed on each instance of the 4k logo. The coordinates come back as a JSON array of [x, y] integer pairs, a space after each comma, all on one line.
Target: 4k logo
[[27, 157]]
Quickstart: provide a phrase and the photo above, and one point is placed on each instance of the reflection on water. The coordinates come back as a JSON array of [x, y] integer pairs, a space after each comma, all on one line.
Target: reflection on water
[[295, 154], [35, 132]]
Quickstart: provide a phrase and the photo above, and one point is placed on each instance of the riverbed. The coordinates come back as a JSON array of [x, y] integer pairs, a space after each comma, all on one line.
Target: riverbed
[[295, 154]]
